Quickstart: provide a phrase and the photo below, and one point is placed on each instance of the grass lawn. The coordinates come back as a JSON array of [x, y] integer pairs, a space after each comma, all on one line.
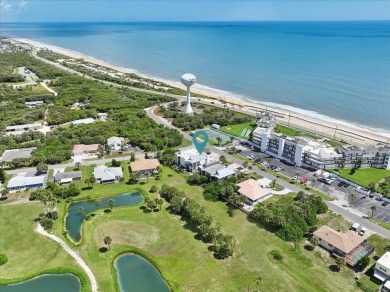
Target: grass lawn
[[334, 143], [363, 176], [291, 132], [29, 253], [236, 130], [185, 261]]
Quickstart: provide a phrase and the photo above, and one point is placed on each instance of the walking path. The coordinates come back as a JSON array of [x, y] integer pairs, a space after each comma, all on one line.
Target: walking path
[[70, 251], [48, 88]]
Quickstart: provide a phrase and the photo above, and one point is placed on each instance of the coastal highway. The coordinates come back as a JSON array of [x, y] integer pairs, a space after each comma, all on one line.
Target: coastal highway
[[287, 119], [351, 215]]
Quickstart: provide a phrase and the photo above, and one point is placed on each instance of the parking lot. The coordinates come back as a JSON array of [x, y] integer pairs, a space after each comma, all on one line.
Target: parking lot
[[338, 190]]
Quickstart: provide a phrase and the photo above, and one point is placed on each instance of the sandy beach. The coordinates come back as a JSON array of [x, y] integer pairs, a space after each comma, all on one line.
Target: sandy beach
[[325, 126]]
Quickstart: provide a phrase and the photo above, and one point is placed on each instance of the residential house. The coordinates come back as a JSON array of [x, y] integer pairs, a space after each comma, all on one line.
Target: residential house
[[102, 116], [12, 154], [144, 166], [349, 245], [115, 143], [67, 177], [217, 170], [29, 180], [32, 104], [386, 286], [104, 174], [20, 129], [83, 122], [82, 151], [382, 268], [253, 192], [191, 160]]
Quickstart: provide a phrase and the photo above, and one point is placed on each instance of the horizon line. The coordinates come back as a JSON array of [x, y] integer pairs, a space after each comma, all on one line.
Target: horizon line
[[200, 21]]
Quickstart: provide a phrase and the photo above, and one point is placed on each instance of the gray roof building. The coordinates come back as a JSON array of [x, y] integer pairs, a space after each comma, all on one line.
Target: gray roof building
[[12, 154]]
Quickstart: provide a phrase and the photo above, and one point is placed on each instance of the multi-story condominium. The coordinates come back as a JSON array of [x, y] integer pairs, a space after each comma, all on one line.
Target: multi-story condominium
[[300, 151], [190, 159]]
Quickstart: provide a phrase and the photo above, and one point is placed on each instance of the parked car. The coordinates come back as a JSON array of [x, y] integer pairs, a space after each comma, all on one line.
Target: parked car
[[371, 195], [362, 231], [295, 177], [355, 227], [385, 203], [278, 169]]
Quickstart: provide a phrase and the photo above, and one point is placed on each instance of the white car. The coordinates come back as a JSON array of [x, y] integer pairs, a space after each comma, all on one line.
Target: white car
[[363, 231], [295, 177]]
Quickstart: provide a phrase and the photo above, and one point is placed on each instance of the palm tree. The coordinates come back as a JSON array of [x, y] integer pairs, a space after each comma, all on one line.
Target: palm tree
[[313, 181], [111, 203], [231, 139], [160, 202], [273, 183], [387, 247], [340, 262], [373, 209], [245, 164], [353, 197], [372, 186], [92, 180], [219, 141], [87, 182], [107, 241], [78, 164]]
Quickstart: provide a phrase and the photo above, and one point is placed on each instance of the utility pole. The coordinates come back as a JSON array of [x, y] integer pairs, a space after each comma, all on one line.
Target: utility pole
[[335, 130]]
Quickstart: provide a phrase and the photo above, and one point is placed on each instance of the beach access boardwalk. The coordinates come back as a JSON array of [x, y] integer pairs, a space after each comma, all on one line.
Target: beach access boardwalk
[[79, 260], [352, 216]]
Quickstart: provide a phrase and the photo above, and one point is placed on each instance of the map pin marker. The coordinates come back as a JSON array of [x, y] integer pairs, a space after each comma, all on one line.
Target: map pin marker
[[200, 145]]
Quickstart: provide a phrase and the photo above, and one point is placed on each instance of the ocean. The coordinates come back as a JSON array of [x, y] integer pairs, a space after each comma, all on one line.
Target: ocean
[[329, 70]]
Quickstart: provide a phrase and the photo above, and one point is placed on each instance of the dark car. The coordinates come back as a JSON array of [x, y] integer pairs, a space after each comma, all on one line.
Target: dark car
[[385, 203], [371, 195]]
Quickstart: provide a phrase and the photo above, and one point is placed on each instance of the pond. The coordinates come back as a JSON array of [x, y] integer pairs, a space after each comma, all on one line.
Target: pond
[[75, 217], [46, 283], [135, 273]]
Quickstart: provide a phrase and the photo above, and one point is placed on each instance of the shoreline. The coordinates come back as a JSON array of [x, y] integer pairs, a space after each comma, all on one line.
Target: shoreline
[[287, 115]]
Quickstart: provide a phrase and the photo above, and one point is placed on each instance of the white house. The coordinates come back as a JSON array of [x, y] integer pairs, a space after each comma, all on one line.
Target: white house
[[20, 129], [190, 159], [29, 180], [217, 170], [83, 122], [67, 177], [115, 143], [102, 116], [104, 174], [382, 268]]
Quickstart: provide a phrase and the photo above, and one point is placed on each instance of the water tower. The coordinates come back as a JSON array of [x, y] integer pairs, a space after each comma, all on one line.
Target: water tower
[[188, 80]]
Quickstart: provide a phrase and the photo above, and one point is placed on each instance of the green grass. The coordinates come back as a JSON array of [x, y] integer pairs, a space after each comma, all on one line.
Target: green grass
[[184, 261], [334, 143], [363, 176], [30, 254], [380, 222], [293, 133], [187, 264], [236, 130]]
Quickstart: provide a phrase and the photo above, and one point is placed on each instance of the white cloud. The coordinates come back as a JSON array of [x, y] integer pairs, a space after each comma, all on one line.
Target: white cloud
[[22, 6], [5, 6]]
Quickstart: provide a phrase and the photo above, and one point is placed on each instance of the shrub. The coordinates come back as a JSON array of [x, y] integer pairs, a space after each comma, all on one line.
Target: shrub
[[276, 255], [3, 259]]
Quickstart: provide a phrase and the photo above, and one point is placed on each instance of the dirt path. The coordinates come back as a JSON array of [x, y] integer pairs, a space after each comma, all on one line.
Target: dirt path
[[70, 251]]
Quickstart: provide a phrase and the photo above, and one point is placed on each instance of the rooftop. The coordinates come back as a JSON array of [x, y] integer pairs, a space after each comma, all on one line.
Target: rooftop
[[12, 154], [144, 164], [385, 260], [20, 181], [21, 127], [114, 140], [105, 173], [345, 242], [83, 121], [66, 175], [82, 148], [252, 190]]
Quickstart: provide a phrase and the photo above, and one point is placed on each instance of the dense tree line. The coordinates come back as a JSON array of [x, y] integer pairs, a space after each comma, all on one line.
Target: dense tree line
[[209, 116], [126, 118], [201, 222], [291, 221]]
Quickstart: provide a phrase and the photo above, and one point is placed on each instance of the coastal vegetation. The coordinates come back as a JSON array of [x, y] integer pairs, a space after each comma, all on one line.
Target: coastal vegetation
[[293, 133], [124, 107], [205, 117]]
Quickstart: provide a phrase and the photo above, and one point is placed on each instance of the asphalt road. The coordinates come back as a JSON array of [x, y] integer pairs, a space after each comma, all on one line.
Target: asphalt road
[[347, 213]]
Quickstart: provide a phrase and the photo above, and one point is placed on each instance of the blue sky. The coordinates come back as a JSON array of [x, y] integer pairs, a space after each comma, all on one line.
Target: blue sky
[[193, 10]]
